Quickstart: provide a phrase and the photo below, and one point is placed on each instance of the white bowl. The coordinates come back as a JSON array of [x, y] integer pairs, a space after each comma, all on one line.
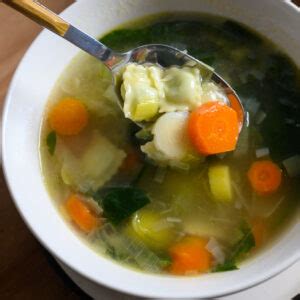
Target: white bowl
[[25, 102]]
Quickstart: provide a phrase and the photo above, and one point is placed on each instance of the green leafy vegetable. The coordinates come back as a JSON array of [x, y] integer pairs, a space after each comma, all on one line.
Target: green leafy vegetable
[[242, 247], [228, 265], [144, 135], [119, 203], [51, 142], [240, 33]]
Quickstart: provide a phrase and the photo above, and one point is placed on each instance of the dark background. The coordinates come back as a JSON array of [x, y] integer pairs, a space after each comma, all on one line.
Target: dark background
[[27, 271]]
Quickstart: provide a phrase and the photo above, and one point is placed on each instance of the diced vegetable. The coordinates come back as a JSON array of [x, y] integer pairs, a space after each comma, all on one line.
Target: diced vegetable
[[68, 117], [265, 177], [261, 152], [213, 128], [154, 230], [81, 214], [145, 111], [241, 248], [190, 256], [220, 182], [214, 247], [51, 142], [292, 165], [121, 202]]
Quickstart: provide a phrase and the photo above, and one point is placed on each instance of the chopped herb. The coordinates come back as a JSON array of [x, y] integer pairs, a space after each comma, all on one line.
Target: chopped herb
[[144, 135], [51, 142], [242, 247], [245, 244], [165, 261], [119, 203], [228, 265]]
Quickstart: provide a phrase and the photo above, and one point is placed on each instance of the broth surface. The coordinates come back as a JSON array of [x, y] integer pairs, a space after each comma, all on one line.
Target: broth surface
[[181, 203]]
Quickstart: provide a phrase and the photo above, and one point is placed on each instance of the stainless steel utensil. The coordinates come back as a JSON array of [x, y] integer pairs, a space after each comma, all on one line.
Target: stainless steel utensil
[[153, 53]]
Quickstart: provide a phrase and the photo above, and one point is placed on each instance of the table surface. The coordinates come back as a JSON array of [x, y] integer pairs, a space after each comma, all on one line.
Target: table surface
[[27, 271]]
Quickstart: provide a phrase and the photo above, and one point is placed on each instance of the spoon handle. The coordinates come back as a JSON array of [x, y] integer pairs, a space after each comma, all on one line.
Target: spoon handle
[[48, 19], [40, 14]]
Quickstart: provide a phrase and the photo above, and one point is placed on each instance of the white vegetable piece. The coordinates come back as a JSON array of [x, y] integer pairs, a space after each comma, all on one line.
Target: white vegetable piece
[[214, 247], [171, 145], [292, 165], [171, 137], [261, 152]]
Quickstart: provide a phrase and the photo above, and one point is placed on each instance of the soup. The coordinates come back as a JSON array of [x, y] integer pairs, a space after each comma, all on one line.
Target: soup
[[204, 214]]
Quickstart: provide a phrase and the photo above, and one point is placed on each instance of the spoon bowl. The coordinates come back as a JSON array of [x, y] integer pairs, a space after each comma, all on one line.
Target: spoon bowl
[[163, 55]]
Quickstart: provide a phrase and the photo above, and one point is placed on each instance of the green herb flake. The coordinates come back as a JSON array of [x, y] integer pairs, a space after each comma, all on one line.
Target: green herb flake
[[51, 142], [120, 202], [144, 134], [165, 261], [228, 265], [242, 247]]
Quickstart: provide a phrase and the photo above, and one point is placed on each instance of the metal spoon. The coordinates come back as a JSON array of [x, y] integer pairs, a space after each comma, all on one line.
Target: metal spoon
[[153, 53]]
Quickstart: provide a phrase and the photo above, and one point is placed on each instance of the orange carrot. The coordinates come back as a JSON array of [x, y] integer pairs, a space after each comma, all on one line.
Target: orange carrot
[[213, 128], [265, 177], [81, 214], [68, 117], [190, 256], [259, 231]]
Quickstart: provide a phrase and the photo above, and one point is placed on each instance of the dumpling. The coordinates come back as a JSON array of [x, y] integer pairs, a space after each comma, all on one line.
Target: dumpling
[[99, 162]]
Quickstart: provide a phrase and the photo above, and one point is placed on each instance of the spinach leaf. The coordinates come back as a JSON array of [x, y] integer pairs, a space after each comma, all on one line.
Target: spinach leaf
[[242, 247], [228, 265], [51, 142], [245, 244], [240, 33], [119, 203]]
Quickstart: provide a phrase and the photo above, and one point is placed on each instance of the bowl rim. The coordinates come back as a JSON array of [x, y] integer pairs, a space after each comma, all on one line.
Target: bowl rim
[[259, 278]]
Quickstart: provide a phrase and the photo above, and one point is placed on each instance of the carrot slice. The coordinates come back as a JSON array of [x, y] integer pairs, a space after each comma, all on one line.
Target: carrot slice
[[213, 128], [259, 231], [81, 214], [68, 117], [265, 177], [190, 256]]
